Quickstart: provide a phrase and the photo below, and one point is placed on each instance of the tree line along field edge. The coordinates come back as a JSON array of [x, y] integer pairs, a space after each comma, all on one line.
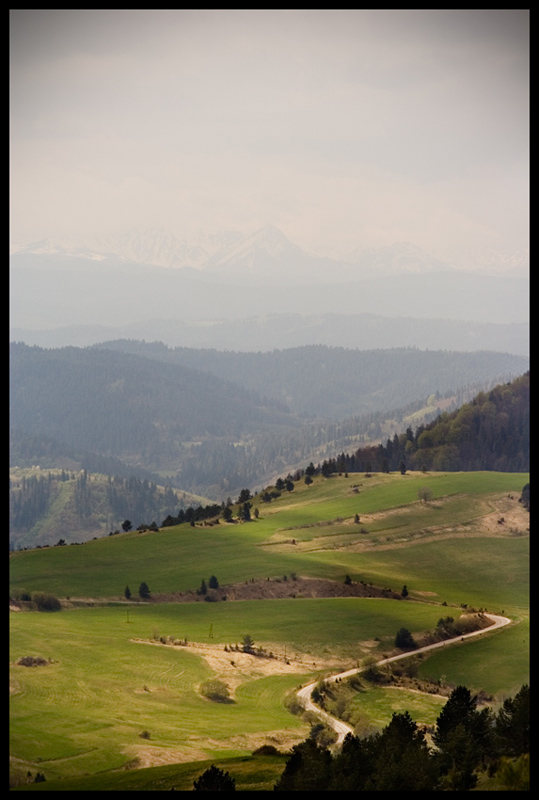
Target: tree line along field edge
[[170, 559]]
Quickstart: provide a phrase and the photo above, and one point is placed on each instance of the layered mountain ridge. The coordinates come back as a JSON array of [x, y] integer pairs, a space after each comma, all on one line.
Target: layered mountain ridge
[[240, 252], [229, 290]]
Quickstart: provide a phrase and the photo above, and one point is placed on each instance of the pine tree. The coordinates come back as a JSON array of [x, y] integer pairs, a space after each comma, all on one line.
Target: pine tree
[[214, 780], [144, 591]]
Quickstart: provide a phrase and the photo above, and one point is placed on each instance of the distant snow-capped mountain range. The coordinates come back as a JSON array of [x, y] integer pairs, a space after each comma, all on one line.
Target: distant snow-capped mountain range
[[268, 252]]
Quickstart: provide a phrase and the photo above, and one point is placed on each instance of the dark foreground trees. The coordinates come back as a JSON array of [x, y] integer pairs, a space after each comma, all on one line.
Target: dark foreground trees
[[309, 768], [513, 724], [214, 780], [464, 737], [396, 759], [468, 738], [399, 758]]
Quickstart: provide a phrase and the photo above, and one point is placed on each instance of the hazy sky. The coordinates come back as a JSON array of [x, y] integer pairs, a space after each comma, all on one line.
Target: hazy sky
[[342, 128]]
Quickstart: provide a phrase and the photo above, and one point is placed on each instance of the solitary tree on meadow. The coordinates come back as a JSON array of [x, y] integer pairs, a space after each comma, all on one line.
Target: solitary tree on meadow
[[144, 591], [424, 494], [405, 640]]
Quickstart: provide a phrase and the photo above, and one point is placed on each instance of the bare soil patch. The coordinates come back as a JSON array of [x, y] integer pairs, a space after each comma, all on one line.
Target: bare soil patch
[[196, 749], [236, 667], [279, 588], [508, 516], [147, 755]]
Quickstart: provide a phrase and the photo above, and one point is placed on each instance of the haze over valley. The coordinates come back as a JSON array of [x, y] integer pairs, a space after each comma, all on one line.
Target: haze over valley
[[264, 292]]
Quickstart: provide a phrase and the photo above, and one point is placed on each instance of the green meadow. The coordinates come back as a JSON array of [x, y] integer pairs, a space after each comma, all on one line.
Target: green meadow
[[376, 706], [498, 664], [177, 558], [253, 773], [111, 697]]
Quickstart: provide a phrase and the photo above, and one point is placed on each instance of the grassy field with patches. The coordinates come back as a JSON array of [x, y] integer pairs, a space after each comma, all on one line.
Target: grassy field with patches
[[175, 559], [108, 680], [111, 701]]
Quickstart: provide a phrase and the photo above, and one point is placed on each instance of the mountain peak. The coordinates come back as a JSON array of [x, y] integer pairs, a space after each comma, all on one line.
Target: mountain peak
[[267, 247], [270, 232]]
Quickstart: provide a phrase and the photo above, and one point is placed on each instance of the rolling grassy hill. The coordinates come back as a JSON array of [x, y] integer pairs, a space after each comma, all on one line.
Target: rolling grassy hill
[[115, 692]]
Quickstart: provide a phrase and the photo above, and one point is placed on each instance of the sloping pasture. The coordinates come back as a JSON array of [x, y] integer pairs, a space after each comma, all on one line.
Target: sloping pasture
[[498, 663], [176, 559], [106, 683], [254, 773]]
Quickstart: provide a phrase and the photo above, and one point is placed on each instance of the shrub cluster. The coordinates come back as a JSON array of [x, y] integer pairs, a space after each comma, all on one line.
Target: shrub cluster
[[215, 690], [46, 602]]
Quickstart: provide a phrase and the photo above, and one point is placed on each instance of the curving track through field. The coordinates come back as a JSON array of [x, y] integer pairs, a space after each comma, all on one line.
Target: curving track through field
[[341, 727]]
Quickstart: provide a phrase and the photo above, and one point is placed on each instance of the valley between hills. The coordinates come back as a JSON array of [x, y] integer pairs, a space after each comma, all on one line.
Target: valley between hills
[[336, 566], [269, 400]]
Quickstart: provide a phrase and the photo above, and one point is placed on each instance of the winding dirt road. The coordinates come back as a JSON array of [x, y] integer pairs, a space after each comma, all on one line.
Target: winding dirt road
[[341, 727]]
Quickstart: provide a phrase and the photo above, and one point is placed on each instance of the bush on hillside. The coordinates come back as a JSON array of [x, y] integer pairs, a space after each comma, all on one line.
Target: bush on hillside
[[525, 497], [32, 661], [404, 640], [216, 690], [46, 602], [266, 750], [323, 734], [20, 594]]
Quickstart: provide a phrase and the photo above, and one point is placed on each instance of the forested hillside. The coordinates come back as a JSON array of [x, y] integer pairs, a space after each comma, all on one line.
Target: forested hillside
[[489, 433], [129, 407], [336, 382], [62, 506], [492, 432], [236, 419]]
